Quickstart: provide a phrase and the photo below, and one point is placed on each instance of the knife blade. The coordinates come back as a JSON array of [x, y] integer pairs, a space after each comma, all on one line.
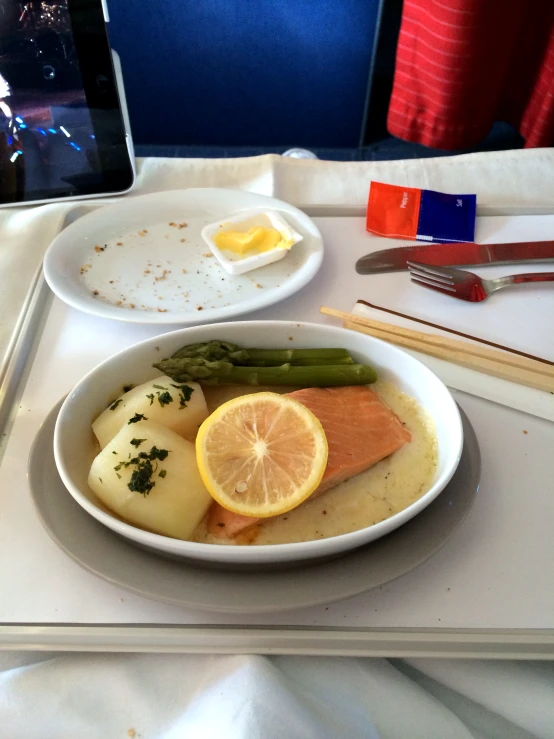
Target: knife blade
[[448, 255]]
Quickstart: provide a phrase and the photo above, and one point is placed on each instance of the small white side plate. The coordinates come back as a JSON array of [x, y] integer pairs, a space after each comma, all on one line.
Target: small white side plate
[[137, 261]]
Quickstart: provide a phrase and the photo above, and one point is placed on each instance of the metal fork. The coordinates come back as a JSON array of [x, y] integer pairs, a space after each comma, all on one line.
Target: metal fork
[[464, 285]]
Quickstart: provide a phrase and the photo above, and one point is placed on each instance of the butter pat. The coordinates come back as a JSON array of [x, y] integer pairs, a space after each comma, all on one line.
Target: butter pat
[[257, 240], [250, 240]]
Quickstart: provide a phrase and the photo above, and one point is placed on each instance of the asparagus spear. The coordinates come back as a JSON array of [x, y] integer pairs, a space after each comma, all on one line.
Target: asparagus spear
[[210, 350], [215, 351], [190, 369], [296, 357]]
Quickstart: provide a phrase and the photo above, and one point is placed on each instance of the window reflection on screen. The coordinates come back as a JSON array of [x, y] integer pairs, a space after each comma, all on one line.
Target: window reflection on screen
[[46, 135]]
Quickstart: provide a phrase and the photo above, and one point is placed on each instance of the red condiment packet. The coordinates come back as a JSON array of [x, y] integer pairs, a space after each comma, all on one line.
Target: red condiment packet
[[392, 210], [425, 215]]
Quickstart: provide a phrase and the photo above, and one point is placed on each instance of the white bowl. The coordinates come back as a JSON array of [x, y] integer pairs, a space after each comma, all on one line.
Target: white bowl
[[74, 446]]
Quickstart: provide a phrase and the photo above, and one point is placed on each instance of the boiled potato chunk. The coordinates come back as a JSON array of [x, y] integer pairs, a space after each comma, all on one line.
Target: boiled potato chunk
[[160, 401], [169, 496]]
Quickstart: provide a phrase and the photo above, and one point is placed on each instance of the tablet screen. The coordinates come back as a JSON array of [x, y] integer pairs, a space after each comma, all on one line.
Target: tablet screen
[[61, 129]]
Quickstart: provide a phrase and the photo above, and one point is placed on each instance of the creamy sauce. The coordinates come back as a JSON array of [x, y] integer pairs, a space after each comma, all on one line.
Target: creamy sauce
[[256, 240], [375, 495]]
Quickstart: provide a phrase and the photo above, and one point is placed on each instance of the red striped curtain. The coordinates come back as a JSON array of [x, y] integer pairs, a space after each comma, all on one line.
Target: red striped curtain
[[461, 65]]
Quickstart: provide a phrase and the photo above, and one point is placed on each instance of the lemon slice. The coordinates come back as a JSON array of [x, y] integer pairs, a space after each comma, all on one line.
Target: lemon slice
[[261, 455]]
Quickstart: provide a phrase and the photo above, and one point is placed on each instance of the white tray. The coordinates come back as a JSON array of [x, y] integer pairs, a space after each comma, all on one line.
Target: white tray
[[487, 593]]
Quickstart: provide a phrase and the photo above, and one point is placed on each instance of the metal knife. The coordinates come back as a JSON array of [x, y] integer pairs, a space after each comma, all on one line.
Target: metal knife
[[448, 255]]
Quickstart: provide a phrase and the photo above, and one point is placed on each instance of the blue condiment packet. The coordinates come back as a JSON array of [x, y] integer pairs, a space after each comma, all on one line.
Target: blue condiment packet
[[444, 217]]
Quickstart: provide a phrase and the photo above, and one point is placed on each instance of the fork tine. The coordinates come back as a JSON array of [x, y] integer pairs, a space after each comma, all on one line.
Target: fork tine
[[428, 274], [439, 287], [438, 279], [449, 272]]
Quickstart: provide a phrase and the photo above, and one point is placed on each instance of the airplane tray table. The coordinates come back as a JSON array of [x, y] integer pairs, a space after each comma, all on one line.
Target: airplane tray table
[[488, 592]]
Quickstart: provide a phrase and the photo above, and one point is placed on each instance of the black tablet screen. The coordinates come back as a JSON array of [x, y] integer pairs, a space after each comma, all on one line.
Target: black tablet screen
[[61, 129]]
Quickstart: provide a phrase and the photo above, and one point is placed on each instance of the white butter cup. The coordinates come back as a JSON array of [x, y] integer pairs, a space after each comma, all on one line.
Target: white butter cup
[[236, 264]]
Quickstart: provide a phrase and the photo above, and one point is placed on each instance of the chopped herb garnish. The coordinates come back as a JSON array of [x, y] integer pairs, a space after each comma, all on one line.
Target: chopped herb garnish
[[126, 388], [140, 479], [114, 452], [164, 398], [114, 404], [156, 453], [101, 480], [136, 418], [136, 442], [185, 393]]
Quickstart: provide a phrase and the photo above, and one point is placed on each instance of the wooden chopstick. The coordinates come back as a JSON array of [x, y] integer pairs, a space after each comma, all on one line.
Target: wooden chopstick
[[444, 342], [487, 366], [499, 364], [447, 329]]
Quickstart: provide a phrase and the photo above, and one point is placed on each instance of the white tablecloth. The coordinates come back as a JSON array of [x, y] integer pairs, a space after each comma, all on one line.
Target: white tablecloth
[[170, 696], [247, 697], [501, 179]]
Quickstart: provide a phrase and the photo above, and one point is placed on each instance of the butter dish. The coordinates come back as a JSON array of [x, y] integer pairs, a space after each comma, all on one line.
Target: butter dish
[[256, 238]]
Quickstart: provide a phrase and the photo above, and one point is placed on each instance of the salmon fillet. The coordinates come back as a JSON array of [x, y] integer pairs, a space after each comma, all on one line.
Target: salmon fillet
[[361, 430]]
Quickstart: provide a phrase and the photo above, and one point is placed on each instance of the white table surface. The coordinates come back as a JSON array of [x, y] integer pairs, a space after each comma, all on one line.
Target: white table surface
[[495, 572]]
